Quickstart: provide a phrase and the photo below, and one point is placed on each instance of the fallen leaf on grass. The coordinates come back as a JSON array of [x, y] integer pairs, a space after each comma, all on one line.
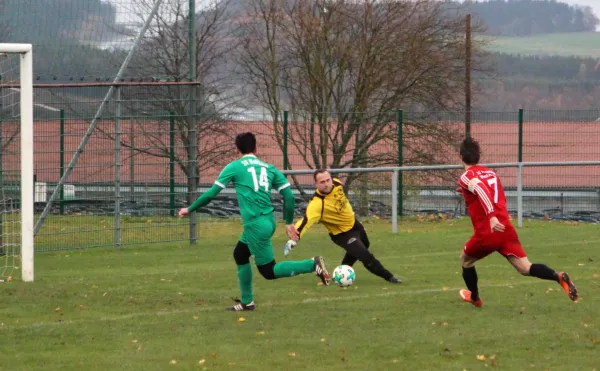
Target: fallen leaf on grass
[[134, 341], [260, 333], [106, 293], [445, 324], [596, 276], [292, 354], [81, 307], [213, 355], [9, 278], [195, 317], [241, 319], [201, 362], [480, 357], [322, 340], [173, 362], [57, 309]]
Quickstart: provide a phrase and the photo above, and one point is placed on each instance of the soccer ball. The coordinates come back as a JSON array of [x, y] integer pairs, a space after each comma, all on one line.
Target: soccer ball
[[344, 275]]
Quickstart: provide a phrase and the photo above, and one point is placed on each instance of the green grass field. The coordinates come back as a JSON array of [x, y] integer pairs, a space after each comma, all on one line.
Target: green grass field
[[161, 307], [584, 44]]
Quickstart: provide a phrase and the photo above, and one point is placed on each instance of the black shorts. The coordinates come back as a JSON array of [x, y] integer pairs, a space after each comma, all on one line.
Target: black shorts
[[354, 235]]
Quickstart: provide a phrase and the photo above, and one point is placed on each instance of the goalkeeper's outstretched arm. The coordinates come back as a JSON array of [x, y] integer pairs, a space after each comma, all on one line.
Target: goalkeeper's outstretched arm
[[311, 216]]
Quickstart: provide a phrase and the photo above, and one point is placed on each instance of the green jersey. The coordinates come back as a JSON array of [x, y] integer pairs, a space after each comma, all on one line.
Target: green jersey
[[253, 180]]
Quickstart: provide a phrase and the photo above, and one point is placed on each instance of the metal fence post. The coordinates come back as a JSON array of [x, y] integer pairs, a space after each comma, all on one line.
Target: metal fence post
[[520, 172], [1, 179], [520, 155], [118, 169], [62, 160], [399, 174], [520, 194], [192, 161], [132, 160], [172, 163], [395, 176], [285, 140]]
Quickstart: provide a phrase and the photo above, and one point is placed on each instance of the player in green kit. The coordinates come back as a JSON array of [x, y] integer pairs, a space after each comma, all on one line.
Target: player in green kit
[[253, 180]]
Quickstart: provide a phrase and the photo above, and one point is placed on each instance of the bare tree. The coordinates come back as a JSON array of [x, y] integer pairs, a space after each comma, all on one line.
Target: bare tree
[[163, 56], [343, 68]]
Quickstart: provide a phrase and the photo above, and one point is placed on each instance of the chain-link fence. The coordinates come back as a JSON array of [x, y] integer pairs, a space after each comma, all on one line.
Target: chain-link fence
[[113, 167]]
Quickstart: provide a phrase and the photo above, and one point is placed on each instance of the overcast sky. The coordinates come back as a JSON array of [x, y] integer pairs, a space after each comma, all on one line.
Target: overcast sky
[[594, 4]]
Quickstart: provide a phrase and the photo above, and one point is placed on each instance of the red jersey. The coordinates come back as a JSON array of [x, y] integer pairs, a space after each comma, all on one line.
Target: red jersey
[[484, 197]]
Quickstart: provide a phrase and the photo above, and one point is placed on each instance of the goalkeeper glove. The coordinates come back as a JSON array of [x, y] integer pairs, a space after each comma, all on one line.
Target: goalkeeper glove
[[288, 247]]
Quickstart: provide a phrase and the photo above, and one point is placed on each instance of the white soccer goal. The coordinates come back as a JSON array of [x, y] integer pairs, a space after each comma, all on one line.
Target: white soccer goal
[[16, 161]]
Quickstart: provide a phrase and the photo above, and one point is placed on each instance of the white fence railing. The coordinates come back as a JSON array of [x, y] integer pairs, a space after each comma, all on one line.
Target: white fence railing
[[396, 170]]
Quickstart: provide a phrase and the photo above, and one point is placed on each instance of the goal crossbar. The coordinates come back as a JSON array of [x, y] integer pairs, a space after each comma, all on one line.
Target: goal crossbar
[[15, 48]]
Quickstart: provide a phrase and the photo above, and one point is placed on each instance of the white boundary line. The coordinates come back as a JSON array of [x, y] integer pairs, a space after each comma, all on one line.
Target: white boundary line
[[221, 308]]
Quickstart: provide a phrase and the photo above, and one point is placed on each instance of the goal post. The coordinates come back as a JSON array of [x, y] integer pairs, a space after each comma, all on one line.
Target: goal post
[[24, 87]]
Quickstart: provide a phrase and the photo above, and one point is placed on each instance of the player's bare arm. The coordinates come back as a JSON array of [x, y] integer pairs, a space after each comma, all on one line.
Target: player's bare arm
[[183, 212], [495, 225]]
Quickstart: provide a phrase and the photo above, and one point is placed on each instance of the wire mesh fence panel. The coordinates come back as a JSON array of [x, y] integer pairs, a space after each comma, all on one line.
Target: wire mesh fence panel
[[10, 166], [562, 193], [341, 139], [562, 136], [130, 176], [151, 149]]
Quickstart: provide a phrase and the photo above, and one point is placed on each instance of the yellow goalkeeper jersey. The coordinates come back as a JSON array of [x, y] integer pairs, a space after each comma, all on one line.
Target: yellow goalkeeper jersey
[[333, 210]]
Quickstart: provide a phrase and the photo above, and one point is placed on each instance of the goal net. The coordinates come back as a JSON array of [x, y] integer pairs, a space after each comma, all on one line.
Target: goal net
[[16, 162]]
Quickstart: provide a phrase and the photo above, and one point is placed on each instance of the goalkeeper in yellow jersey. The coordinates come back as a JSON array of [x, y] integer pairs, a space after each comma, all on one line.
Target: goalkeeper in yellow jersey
[[331, 207]]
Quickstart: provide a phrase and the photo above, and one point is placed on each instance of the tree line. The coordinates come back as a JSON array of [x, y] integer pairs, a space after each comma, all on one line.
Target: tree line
[[553, 68], [531, 17]]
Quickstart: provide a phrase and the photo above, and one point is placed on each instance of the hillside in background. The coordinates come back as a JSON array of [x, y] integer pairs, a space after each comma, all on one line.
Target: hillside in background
[[547, 55], [583, 44]]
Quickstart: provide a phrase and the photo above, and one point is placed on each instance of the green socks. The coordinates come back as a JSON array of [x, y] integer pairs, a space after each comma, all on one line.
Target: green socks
[[245, 278], [284, 269], [292, 268]]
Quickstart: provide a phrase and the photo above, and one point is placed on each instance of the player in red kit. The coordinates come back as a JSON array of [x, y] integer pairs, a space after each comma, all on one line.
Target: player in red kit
[[493, 230]]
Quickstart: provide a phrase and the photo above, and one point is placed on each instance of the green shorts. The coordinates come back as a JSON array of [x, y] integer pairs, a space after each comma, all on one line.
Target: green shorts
[[257, 235]]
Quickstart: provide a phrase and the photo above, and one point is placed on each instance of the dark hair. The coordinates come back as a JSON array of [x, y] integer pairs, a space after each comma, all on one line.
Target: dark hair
[[317, 172], [470, 152], [246, 143]]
